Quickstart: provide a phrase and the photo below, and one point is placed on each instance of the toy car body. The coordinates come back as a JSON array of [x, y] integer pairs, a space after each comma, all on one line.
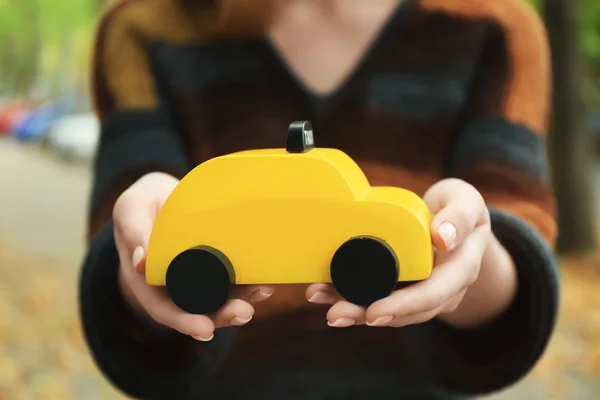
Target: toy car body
[[280, 216]]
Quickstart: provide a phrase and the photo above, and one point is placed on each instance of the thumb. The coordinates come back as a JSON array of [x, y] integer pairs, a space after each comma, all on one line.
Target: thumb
[[458, 209], [134, 214]]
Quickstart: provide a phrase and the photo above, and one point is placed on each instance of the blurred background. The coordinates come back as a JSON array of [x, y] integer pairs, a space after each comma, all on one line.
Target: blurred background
[[48, 137]]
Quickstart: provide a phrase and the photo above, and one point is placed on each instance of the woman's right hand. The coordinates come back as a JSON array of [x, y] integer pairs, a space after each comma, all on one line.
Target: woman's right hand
[[134, 214]]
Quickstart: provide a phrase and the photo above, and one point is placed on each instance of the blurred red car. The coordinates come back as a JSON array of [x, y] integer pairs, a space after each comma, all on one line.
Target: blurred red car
[[12, 114]]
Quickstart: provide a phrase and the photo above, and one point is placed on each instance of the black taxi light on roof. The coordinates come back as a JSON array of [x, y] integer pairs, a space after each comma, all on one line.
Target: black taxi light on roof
[[300, 137]]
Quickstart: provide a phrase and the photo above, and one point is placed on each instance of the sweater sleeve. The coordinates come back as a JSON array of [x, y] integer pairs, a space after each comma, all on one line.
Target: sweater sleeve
[[137, 137], [137, 134], [500, 149]]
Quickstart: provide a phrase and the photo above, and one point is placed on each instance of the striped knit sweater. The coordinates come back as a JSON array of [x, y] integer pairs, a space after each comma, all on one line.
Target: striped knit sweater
[[450, 88]]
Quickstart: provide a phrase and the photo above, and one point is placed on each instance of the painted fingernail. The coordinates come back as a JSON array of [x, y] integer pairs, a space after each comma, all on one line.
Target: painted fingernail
[[259, 295], [447, 232], [138, 253], [380, 321], [239, 320], [203, 339], [322, 298], [342, 322]]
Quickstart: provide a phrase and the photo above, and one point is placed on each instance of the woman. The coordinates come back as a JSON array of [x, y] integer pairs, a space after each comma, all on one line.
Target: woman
[[447, 98]]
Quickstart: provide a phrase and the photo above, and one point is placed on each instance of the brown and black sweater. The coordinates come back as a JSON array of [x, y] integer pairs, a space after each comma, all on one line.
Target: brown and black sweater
[[451, 88]]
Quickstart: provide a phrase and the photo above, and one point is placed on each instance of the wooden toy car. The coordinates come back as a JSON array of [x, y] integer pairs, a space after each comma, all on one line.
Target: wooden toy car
[[278, 216]]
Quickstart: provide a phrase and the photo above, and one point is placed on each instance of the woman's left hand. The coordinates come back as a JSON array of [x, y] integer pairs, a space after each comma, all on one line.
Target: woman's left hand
[[460, 233]]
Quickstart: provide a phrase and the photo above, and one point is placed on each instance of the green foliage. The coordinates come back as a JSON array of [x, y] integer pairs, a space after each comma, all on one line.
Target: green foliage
[[590, 28], [590, 48], [51, 39], [43, 38]]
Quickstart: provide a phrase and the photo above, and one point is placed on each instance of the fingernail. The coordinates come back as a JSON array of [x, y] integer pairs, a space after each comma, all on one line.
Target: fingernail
[[322, 297], [239, 320], [447, 232], [380, 321], [138, 253], [342, 322], [202, 339], [259, 295]]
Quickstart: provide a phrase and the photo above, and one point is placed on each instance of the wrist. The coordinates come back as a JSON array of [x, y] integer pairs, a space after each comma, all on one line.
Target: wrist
[[142, 327], [491, 294]]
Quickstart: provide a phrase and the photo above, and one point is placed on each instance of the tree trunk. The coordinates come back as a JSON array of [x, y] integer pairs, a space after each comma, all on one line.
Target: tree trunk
[[569, 144]]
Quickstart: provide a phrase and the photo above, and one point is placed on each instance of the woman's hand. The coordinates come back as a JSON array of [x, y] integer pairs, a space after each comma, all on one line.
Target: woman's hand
[[134, 214], [461, 234]]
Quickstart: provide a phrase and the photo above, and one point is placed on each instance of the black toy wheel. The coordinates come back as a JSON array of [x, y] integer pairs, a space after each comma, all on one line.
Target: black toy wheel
[[199, 280], [364, 270]]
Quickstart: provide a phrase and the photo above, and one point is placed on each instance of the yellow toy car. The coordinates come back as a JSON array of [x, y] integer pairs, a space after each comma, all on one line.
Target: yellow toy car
[[278, 216]]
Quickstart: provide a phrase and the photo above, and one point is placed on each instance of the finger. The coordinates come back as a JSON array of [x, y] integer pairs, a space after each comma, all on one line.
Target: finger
[[322, 293], [446, 280], [452, 304], [131, 237], [422, 317], [138, 259], [344, 314], [413, 319], [253, 294], [161, 309], [458, 209], [158, 306], [134, 214], [235, 312]]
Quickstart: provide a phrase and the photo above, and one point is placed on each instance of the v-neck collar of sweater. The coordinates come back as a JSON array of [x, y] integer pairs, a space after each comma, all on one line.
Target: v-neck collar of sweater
[[323, 103]]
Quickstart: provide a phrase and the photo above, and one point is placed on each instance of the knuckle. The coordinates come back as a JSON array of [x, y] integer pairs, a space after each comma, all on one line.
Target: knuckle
[[487, 219], [473, 254], [473, 276], [472, 270], [441, 186], [470, 190], [438, 299], [180, 323], [471, 279], [463, 217], [486, 229], [236, 304], [154, 175], [424, 317], [466, 187], [472, 261], [457, 182], [123, 204], [157, 179], [451, 306], [234, 308]]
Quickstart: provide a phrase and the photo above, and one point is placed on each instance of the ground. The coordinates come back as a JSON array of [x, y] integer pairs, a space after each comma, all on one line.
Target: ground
[[43, 355]]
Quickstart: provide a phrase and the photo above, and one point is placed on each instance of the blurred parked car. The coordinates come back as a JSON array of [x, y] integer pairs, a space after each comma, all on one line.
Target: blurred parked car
[[74, 137], [12, 114], [37, 123]]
